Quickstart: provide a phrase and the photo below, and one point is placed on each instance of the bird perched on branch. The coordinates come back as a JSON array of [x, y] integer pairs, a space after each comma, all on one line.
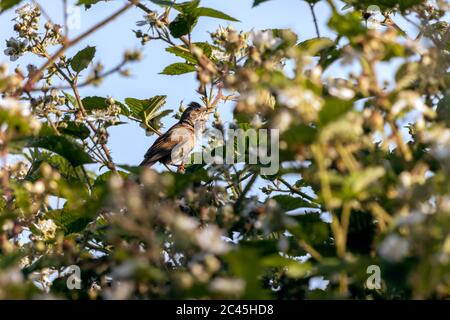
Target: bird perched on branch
[[174, 146]]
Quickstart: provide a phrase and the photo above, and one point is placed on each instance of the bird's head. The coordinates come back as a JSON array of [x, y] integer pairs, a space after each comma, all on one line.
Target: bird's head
[[194, 113]]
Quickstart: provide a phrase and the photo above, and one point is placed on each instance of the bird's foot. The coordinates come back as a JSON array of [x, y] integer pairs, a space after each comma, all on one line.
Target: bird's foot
[[181, 168]]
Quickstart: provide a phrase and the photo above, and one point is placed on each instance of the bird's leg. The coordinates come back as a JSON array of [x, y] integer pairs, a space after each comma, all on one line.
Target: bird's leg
[[181, 168], [165, 165]]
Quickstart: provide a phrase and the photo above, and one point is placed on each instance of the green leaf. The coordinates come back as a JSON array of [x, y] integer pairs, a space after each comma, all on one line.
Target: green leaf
[[82, 59], [246, 263], [185, 53], [69, 220], [293, 268], [315, 45], [333, 109], [147, 111], [258, 2], [187, 7], [164, 3], [7, 4], [104, 177], [70, 99], [99, 103], [443, 110], [182, 52], [178, 68], [310, 228], [70, 174], [299, 134], [213, 13], [188, 17], [12, 259], [384, 4], [407, 74], [77, 130], [288, 203], [358, 182], [88, 2], [178, 182], [182, 25], [146, 106], [349, 25], [63, 146]]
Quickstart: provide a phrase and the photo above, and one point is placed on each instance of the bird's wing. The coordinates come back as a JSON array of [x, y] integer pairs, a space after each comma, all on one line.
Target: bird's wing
[[162, 147]]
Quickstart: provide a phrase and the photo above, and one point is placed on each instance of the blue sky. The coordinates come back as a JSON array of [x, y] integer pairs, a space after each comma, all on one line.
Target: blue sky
[[128, 142]]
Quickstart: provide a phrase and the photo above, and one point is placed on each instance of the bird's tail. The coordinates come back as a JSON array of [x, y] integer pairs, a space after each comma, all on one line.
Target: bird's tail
[[146, 162]]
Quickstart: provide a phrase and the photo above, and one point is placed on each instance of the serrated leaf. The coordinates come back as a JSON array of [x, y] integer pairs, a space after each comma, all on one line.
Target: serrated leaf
[[98, 103], [185, 53], [288, 203], [182, 25], [315, 45], [82, 59], [178, 68], [358, 182], [182, 52], [71, 99], [384, 4], [299, 134], [7, 4], [77, 130], [69, 220], [63, 146], [213, 13], [349, 24], [333, 109], [310, 228], [145, 106]]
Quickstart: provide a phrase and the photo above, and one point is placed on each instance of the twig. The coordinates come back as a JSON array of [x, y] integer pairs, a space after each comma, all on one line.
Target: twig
[[66, 26], [313, 13], [296, 191], [39, 73]]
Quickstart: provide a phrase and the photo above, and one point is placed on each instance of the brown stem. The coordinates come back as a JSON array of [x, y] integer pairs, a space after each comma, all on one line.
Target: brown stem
[[313, 13], [39, 73]]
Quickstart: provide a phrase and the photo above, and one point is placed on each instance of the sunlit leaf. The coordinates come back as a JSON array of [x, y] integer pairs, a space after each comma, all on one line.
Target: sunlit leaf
[[82, 59]]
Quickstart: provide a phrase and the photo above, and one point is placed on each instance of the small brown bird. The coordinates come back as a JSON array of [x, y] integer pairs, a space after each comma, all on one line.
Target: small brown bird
[[174, 146]]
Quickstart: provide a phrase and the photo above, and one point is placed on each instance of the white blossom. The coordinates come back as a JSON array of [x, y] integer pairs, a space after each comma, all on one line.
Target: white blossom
[[47, 227], [15, 106], [340, 89], [210, 239], [410, 99], [394, 248], [15, 48], [264, 40], [230, 286], [294, 97], [318, 283]]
